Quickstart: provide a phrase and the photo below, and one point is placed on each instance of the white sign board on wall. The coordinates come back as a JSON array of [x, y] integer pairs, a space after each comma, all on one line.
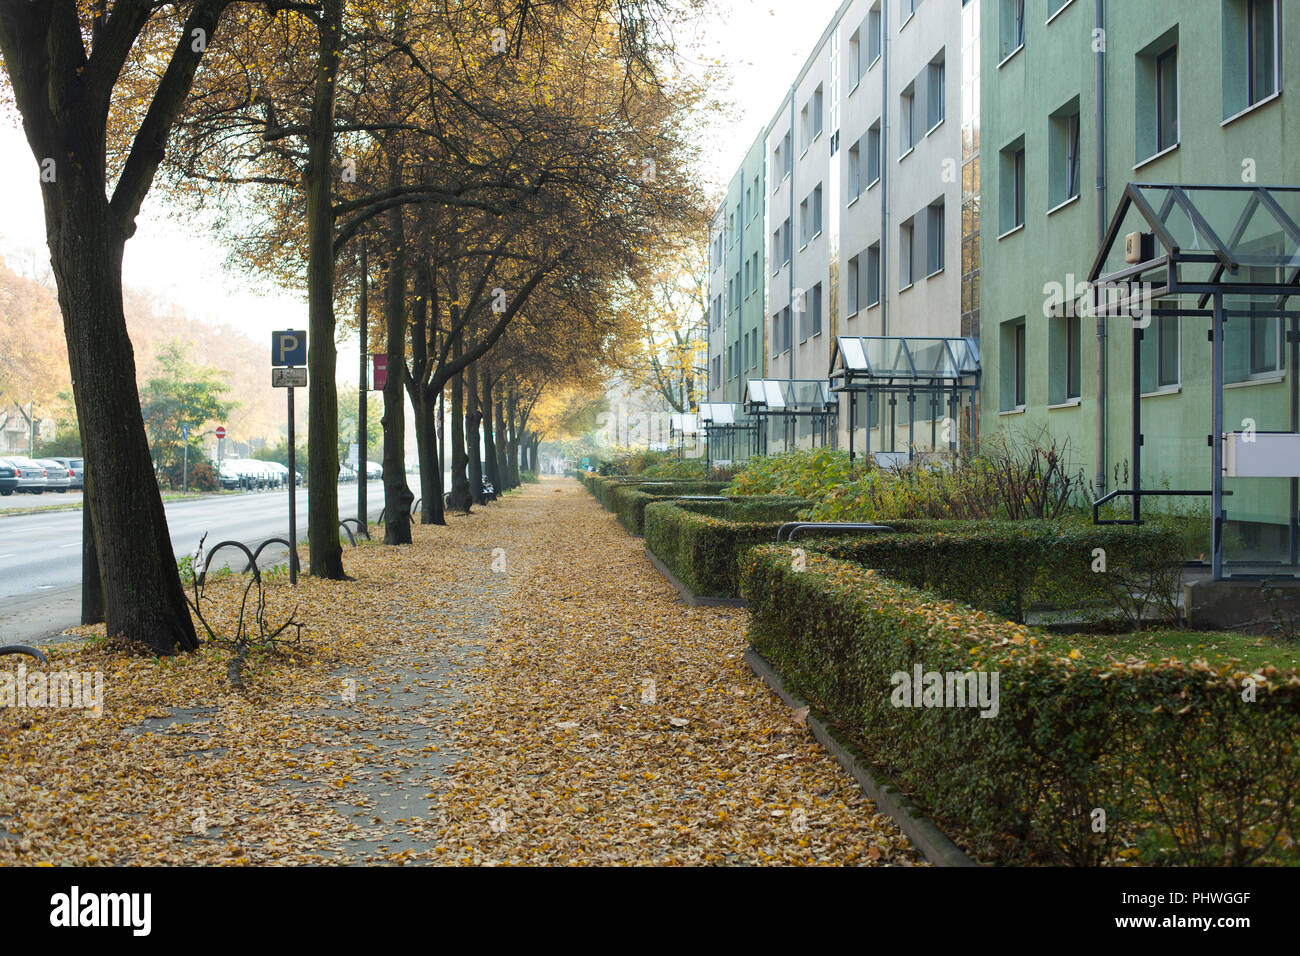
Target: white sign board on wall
[[1261, 455]]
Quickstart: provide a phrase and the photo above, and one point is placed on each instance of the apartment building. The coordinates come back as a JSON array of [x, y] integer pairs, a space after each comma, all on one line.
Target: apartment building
[[863, 228], [737, 234], [1080, 99]]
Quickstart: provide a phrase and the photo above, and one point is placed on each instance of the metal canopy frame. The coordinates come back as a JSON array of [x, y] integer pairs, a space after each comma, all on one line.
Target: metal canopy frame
[[887, 367], [789, 400], [727, 429], [1187, 242]]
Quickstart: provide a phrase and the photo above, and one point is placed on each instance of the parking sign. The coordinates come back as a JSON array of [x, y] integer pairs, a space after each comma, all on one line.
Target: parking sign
[[288, 349]]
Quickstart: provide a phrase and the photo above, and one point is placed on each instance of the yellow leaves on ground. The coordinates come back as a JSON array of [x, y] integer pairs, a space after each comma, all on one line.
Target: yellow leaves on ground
[[567, 711]]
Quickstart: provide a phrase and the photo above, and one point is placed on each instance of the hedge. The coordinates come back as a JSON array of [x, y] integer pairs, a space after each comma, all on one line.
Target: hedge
[[629, 501], [1087, 571], [700, 542], [1184, 769]]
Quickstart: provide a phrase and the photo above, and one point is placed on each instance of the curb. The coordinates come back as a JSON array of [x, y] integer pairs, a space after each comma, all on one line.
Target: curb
[[688, 596], [928, 838]]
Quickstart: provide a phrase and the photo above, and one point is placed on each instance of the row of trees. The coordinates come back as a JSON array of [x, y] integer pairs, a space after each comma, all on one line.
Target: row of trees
[[500, 171]]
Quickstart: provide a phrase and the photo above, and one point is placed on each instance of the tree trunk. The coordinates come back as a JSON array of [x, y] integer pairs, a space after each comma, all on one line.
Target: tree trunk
[[512, 420], [489, 439], [143, 597], [473, 446], [533, 442], [322, 393], [503, 462], [431, 491], [397, 496], [461, 499]]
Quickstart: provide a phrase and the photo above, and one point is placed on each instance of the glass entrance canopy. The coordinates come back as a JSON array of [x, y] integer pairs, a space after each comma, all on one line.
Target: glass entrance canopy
[[788, 411], [730, 434], [936, 378], [1181, 261]]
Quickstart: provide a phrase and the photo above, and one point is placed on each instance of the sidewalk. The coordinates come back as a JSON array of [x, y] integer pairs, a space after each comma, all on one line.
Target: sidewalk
[[527, 690]]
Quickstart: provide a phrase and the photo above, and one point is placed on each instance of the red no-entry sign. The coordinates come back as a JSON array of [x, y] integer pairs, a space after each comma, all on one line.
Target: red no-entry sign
[[221, 431]]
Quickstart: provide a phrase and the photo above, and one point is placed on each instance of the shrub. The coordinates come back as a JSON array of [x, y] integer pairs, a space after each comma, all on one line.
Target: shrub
[[1008, 566], [700, 543], [801, 473], [1184, 770], [629, 500], [1015, 478], [527, 477]]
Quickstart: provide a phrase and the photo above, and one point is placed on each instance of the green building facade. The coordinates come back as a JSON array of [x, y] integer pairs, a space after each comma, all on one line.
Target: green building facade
[[741, 339], [1079, 99]]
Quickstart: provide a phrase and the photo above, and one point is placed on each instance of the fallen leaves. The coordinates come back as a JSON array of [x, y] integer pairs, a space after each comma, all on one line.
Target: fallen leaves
[[498, 719]]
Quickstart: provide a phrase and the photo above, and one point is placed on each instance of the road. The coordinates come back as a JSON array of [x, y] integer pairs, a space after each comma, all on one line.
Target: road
[[40, 553]]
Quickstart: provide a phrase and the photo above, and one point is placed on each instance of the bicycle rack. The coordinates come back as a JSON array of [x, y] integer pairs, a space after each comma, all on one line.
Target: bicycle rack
[[23, 649], [794, 527], [251, 555], [346, 523]]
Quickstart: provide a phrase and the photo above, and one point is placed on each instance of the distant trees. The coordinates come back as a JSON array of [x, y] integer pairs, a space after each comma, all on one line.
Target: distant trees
[[181, 393]]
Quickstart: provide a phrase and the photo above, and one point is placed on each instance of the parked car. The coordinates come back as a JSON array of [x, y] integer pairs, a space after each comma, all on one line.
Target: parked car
[[58, 476], [8, 477], [374, 470], [31, 477], [228, 476], [78, 468], [347, 473]]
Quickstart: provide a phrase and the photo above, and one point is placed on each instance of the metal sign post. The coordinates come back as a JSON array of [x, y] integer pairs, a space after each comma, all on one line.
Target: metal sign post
[[288, 355], [185, 468]]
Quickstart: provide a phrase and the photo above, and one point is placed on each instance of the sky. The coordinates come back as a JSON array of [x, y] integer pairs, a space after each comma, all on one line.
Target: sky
[[762, 45]]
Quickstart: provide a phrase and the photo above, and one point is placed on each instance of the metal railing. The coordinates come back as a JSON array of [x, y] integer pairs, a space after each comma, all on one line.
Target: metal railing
[[787, 531]]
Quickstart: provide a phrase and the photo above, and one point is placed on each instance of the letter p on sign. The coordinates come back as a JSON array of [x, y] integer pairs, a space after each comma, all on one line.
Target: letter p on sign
[[288, 349]]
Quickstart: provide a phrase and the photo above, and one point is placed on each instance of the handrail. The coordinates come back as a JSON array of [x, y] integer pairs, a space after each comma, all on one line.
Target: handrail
[[794, 527], [1139, 493]]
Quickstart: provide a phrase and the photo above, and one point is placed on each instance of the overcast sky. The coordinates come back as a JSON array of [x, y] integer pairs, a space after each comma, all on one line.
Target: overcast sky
[[762, 44]]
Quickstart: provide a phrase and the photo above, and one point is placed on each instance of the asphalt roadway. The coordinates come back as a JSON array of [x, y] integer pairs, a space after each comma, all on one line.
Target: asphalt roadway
[[40, 552]]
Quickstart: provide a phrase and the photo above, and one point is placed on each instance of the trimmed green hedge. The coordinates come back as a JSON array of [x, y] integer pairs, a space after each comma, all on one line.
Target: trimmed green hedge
[[1185, 770], [700, 542], [1008, 566], [629, 502]]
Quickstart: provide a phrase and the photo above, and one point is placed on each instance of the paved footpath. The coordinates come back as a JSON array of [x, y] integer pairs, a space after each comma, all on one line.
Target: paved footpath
[[521, 687]]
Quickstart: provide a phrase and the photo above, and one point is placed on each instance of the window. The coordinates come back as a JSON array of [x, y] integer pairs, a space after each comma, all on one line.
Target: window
[[905, 10], [1011, 199], [804, 224], [873, 274], [817, 112], [787, 330], [787, 241], [745, 289], [934, 238], [856, 64], [1160, 354], [1021, 364], [1012, 365], [934, 88], [816, 305], [905, 234], [1055, 6], [1064, 358], [1167, 99], [854, 277], [1252, 345], [855, 171], [1155, 78], [907, 119], [717, 368], [754, 209], [873, 153], [1063, 178], [805, 127], [817, 211], [787, 153], [873, 35], [1251, 54], [1011, 27]]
